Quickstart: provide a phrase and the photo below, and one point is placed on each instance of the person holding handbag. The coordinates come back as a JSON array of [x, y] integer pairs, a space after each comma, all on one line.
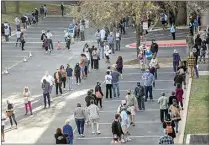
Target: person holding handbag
[[99, 93], [11, 113], [27, 100], [174, 110]]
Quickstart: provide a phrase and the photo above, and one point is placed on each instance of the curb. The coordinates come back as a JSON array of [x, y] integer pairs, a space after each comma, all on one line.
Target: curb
[[182, 124]]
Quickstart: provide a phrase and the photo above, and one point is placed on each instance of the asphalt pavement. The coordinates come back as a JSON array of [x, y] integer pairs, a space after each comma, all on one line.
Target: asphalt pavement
[[43, 123]]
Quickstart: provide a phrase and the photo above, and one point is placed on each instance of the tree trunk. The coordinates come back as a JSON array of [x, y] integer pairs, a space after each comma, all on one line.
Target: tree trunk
[[3, 7], [17, 7], [181, 15], [138, 37]]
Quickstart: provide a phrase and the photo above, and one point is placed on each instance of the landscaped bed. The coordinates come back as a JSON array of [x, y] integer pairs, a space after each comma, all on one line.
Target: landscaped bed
[[198, 115]]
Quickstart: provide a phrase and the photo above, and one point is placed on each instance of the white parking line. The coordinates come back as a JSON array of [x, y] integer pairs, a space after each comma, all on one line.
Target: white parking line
[[152, 90], [142, 81], [103, 137], [127, 74], [11, 56], [147, 110], [142, 122], [14, 42]]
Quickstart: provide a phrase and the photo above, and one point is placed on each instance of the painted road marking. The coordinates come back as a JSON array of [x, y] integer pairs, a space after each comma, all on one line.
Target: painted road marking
[[142, 122], [89, 41], [143, 81]]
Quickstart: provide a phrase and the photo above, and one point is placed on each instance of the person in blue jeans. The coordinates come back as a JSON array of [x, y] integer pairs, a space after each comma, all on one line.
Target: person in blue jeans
[[68, 132], [80, 117], [149, 79], [115, 82], [69, 72]]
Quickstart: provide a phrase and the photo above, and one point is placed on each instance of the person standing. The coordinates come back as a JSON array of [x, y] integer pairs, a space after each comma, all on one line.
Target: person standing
[[18, 32], [82, 66], [176, 60], [178, 79], [119, 66], [80, 116], [77, 73], [3, 119], [116, 128], [139, 94], [64, 76], [93, 113], [49, 79], [98, 37], [36, 15], [163, 101], [68, 132], [108, 82], [166, 139], [6, 31], [11, 113], [175, 114], [173, 31], [154, 66], [62, 8], [46, 91], [49, 37], [148, 56], [191, 62], [42, 12], [95, 58], [110, 40], [99, 94], [117, 40], [58, 81], [170, 99], [169, 125], [179, 95], [82, 29], [22, 40], [190, 43], [125, 123], [27, 100], [17, 22], [107, 52], [69, 72], [115, 82], [154, 48], [148, 79], [60, 137], [45, 11], [23, 19]]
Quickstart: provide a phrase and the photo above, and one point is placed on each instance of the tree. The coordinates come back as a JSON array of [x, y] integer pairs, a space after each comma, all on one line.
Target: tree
[[105, 13], [17, 7], [3, 7]]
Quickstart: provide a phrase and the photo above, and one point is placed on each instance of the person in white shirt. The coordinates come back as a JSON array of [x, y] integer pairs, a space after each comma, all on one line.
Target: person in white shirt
[[107, 52], [49, 79], [93, 113], [49, 38], [3, 118], [45, 11], [154, 66], [102, 32], [118, 38], [17, 22], [98, 36], [6, 31], [108, 82], [18, 32]]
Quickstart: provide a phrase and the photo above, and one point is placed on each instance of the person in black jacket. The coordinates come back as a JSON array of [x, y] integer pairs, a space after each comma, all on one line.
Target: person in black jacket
[[169, 125], [116, 127], [77, 71], [88, 98], [154, 48], [139, 93], [62, 9], [58, 81], [198, 41], [36, 14], [178, 79], [173, 96], [60, 137], [99, 94]]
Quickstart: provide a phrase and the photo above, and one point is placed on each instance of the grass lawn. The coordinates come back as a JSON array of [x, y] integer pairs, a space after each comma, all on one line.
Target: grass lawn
[[26, 6], [198, 115]]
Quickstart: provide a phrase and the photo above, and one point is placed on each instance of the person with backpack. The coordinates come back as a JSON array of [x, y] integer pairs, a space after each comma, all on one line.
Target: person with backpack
[[99, 94], [169, 125], [174, 110], [163, 101], [139, 94]]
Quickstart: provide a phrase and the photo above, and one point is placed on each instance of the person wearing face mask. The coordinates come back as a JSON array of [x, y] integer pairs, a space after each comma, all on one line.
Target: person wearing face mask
[[148, 79], [148, 55]]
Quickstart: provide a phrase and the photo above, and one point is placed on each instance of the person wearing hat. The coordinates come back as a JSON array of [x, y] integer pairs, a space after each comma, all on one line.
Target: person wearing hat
[[149, 80], [176, 60], [58, 81], [154, 48], [80, 117], [139, 94], [132, 106], [163, 101], [111, 40], [69, 72]]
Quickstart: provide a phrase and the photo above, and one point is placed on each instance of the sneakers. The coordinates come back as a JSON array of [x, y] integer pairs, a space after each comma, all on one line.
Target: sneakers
[[82, 135], [98, 132], [93, 132], [123, 141], [128, 139]]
